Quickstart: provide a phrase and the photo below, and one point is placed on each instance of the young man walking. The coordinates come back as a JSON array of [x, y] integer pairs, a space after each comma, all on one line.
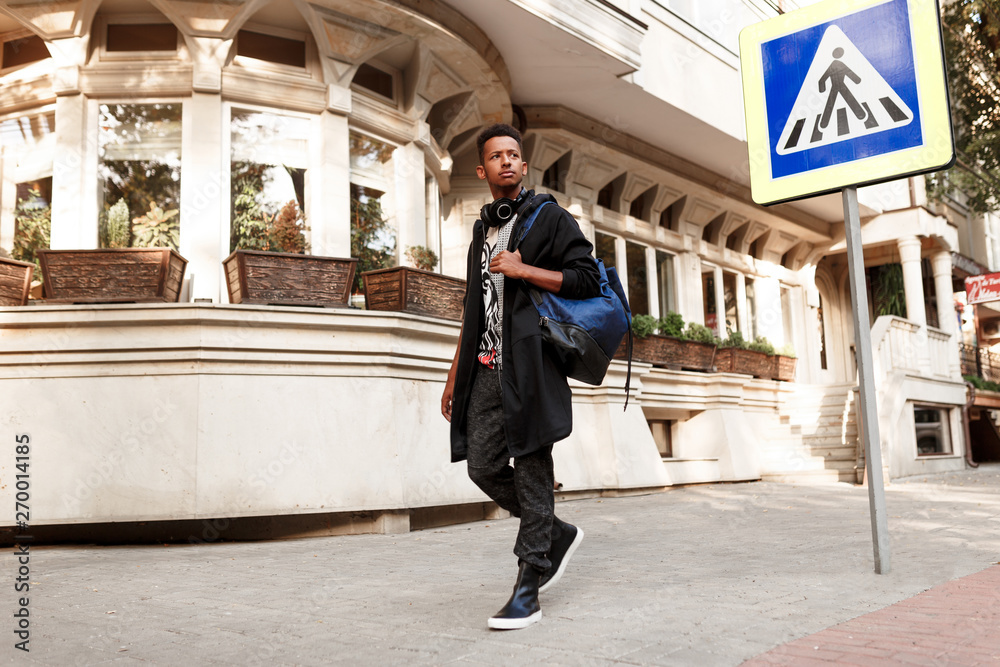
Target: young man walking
[[505, 396]]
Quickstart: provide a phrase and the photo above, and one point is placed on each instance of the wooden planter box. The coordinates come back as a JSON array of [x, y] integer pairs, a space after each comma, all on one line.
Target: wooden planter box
[[288, 279], [15, 281], [735, 360], [670, 352], [414, 291], [118, 275], [784, 368]]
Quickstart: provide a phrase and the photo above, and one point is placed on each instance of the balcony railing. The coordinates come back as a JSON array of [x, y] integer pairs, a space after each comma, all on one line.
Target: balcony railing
[[988, 366]]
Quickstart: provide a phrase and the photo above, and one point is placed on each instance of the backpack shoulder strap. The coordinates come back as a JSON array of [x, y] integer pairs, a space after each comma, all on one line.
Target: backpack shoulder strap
[[528, 222]]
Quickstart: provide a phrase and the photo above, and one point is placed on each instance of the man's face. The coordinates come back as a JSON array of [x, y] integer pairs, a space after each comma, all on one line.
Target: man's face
[[502, 166]]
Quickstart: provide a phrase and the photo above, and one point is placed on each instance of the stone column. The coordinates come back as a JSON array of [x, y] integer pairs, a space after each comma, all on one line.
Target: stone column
[[330, 203], [652, 283], [204, 201], [74, 196], [411, 199], [941, 268], [909, 253], [204, 174], [690, 292], [767, 292], [621, 265]]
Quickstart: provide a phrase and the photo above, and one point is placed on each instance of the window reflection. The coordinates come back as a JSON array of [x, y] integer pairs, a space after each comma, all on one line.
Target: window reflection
[[638, 287], [708, 290], [268, 177], [932, 432], [139, 167], [665, 281], [373, 237], [604, 249], [731, 302], [27, 149]]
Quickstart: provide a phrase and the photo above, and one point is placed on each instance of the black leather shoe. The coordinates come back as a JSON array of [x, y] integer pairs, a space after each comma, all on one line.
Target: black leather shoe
[[561, 551], [522, 608]]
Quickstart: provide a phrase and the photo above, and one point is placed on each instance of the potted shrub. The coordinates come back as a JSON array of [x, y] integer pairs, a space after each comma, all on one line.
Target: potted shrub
[[700, 347], [278, 272], [665, 342], [415, 289], [784, 363], [736, 356]]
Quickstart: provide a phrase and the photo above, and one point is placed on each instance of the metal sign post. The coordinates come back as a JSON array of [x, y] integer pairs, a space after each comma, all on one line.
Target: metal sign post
[[866, 377], [839, 94]]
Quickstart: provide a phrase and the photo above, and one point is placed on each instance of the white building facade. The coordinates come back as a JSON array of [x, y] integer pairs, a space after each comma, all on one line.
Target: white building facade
[[632, 117]]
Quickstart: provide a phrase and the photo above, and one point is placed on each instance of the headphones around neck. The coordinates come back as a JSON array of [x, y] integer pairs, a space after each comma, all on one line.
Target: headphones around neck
[[500, 212]]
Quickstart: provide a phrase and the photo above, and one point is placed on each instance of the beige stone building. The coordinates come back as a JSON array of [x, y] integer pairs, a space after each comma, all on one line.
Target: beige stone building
[[632, 115]]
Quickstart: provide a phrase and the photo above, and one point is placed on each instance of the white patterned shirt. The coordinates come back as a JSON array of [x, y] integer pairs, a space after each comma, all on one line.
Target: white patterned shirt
[[491, 343]]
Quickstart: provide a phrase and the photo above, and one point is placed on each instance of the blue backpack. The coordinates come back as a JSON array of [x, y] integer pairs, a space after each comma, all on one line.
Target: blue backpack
[[584, 333]]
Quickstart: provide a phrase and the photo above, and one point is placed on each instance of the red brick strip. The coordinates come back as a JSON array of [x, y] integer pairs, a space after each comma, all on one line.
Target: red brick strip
[[957, 623]]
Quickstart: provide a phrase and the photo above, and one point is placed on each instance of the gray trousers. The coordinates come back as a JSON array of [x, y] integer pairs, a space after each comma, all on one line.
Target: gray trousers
[[524, 489]]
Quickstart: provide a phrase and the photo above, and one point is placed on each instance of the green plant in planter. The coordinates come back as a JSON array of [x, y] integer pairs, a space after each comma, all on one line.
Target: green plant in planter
[[761, 344], [699, 333], [643, 325], [786, 350], [735, 340], [671, 324], [157, 228], [421, 257]]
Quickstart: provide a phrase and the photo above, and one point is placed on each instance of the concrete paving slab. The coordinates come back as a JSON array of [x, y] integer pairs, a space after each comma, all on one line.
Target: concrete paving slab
[[701, 575]]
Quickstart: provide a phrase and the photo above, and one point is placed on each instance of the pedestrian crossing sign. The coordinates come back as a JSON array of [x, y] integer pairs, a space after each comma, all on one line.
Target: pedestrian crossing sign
[[844, 93]]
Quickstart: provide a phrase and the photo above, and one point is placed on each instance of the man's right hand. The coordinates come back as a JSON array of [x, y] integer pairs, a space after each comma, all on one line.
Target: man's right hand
[[446, 398]]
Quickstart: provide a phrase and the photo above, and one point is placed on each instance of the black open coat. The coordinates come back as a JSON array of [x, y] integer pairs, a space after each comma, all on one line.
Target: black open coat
[[536, 397]]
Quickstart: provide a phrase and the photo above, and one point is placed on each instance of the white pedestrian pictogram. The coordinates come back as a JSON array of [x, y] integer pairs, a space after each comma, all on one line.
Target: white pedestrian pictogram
[[843, 97]]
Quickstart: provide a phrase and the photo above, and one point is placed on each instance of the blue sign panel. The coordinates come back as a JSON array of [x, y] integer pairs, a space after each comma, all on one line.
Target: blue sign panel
[[841, 91]]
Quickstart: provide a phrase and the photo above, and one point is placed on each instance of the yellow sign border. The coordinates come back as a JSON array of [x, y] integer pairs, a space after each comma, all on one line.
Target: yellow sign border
[[937, 150]]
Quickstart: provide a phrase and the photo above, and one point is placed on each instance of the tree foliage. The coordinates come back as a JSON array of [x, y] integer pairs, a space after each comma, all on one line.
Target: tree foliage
[[248, 226], [422, 257], [33, 229], [285, 230], [972, 45]]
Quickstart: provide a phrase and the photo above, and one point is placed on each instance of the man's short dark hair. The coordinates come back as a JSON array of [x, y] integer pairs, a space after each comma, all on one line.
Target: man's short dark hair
[[497, 130]]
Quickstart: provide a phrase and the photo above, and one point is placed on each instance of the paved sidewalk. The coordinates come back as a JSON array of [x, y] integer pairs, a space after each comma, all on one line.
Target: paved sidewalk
[[702, 575], [957, 623]]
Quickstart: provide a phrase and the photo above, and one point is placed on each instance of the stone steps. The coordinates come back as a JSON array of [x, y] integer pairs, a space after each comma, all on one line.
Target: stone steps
[[811, 443]]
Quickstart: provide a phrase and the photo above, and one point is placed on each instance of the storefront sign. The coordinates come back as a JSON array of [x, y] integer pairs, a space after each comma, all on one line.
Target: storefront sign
[[980, 289]]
